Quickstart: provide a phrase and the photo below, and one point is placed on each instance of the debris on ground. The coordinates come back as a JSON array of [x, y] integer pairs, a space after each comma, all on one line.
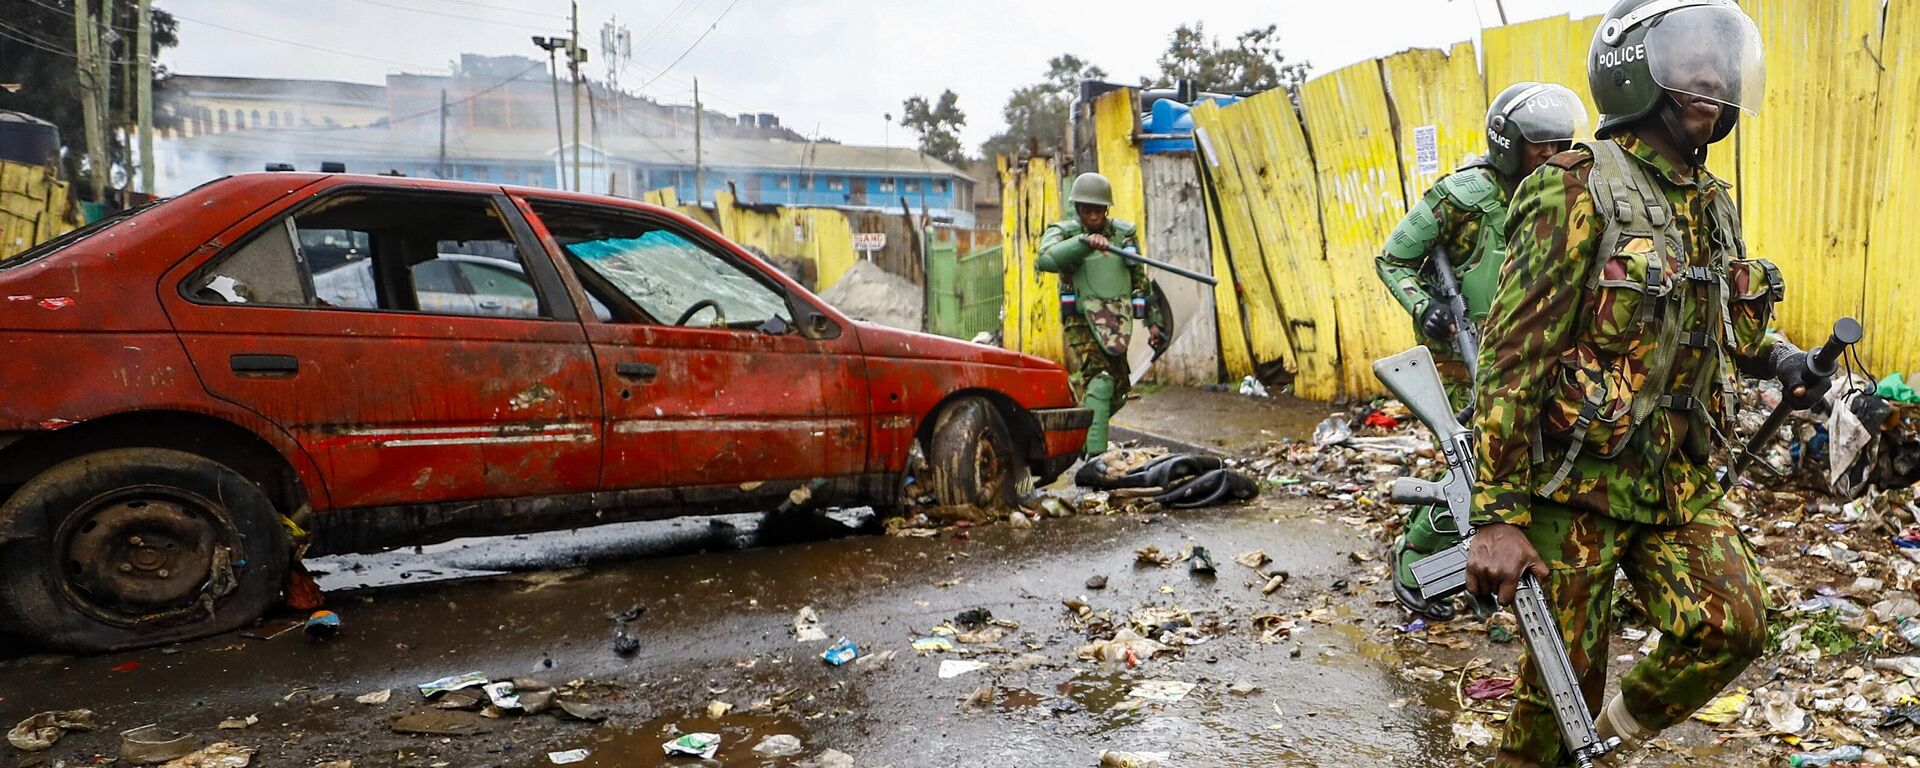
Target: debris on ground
[[868, 292], [1096, 582], [1199, 560], [806, 626], [377, 697], [841, 652], [700, 745], [1114, 759], [221, 755], [454, 683], [150, 744], [1255, 559], [1125, 646], [239, 723], [323, 626], [624, 643], [438, 722], [951, 668], [39, 732], [568, 757], [778, 745], [1161, 691]]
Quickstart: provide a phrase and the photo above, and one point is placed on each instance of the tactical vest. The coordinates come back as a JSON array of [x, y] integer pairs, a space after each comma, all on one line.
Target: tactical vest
[[1630, 201], [1474, 188]]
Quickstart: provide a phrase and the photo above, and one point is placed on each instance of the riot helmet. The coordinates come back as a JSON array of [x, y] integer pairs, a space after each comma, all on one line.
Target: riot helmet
[[1091, 189], [1537, 113], [1705, 48]]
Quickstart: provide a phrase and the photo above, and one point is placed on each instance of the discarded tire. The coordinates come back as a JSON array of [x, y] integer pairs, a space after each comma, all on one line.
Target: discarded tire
[[971, 458], [136, 547]]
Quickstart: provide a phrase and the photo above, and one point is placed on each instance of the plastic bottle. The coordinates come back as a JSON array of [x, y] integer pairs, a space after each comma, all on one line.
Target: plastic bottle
[[1846, 754]]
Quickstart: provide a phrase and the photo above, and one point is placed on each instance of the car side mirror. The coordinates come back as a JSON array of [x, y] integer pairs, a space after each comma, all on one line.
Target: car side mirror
[[819, 324]]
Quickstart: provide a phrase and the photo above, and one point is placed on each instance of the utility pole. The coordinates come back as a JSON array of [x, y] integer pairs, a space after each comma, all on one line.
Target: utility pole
[[573, 61], [699, 184], [143, 65], [443, 133], [85, 64], [1501, 6], [552, 44]]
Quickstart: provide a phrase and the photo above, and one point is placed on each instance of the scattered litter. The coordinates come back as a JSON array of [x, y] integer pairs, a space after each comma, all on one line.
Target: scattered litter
[[453, 683], [717, 709], [1096, 582], [1470, 730], [1274, 583], [982, 637], [323, 626], [1163, 691], [973, 618], [806, 626], [1423, 674], [1905, 666], [502, 695], [1254, 559], [1151, 555], [1252, 387], [980, 698], [377, 697], [624, 643], [1783, 716], [1199, 560], [1724, 709], [438, 723], [221, 755], [126, 666], [150, 744], [778, 745], [841, 652], [1113, 759], [239, 723], [568, 757], [932, 644], [1126, 646], [873, 661], [580, 710], [629, 615], [39, 732], [951, 668], [854, 518], [1841, 755], [1243, 688], [834, 758], [1487, 688], [700, 745]]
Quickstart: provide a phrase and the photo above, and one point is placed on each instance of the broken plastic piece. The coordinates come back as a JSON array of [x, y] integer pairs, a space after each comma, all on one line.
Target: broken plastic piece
[[700, 745]]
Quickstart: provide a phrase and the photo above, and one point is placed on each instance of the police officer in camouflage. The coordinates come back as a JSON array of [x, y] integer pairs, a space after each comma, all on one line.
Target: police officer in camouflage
[[1464, 215], [1604, 393], [1101, 294]]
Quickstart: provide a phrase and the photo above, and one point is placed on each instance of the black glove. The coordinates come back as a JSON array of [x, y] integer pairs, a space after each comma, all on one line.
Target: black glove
[[1794, 369], [1438, 322]]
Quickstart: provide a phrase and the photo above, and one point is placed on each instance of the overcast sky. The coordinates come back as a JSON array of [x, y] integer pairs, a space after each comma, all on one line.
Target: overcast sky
[[836, 66]]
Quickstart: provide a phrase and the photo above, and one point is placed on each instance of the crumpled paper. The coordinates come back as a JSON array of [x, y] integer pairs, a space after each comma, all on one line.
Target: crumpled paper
[[39, 732]]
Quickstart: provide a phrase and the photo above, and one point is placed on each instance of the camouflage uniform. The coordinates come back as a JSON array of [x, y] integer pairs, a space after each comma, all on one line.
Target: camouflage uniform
[[1097, 335], [1604, 390], [1461, 210]]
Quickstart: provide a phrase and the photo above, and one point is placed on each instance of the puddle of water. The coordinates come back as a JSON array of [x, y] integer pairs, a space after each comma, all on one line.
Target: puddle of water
[[640, 747]]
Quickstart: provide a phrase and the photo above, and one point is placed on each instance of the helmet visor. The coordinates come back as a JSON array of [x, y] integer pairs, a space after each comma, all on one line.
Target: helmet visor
[[1551, 113], [1710, 51]]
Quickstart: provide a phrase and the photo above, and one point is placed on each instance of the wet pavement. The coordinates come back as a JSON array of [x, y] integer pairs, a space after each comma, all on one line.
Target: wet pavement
[[720, 597]]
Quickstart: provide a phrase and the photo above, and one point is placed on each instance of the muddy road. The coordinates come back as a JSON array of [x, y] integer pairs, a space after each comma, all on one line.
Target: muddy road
[[720, 599]]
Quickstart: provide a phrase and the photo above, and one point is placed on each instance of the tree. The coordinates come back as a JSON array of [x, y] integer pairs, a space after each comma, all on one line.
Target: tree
[[1254, 63], [36, 52], [938, 124], [1041, 112]]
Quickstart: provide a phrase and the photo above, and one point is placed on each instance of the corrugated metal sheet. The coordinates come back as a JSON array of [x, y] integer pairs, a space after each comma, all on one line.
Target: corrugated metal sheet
[[1176, 226], [1229, 326], [1260, 309], [1889, 315], [1030, 200], [1440, 89], [813, 244], [1360, 202], [1287, 209], [33, 207], [1805, 157], [1550, 50], [1119, 158]]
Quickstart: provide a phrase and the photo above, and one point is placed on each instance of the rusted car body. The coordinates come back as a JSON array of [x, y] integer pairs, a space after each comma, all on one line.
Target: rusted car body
[[188, 336]]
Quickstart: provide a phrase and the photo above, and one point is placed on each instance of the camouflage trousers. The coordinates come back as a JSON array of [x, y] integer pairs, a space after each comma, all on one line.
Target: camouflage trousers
[[1088, 360], [1701, 586]]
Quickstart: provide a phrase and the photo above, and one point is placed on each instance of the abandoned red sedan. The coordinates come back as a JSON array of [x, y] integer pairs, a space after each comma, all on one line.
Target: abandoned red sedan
[[376, 362]]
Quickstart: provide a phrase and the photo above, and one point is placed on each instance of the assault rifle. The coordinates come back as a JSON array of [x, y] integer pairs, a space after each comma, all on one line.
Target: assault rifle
[[1466, 338], [1411, 377]]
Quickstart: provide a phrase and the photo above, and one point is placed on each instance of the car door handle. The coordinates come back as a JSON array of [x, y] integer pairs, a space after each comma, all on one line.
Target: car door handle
[[264, 365], [641, 371]]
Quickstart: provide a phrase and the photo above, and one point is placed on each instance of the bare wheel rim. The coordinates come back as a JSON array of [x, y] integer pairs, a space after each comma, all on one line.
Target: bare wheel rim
[[146, 554]]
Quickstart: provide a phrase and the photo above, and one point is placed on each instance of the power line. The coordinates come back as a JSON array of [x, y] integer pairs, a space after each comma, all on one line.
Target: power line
[[295, 43], [665, 20], [67, 12], [444, 15], [696, 43]]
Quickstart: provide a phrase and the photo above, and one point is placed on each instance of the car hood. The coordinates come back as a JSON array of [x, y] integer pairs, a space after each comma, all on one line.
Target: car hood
[[881, 341]]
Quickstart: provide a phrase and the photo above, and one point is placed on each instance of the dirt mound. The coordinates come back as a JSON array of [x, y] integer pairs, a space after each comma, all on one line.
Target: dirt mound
[[873, 294]]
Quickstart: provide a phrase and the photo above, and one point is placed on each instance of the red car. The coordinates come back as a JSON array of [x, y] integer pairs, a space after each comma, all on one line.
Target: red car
[[181, 402]]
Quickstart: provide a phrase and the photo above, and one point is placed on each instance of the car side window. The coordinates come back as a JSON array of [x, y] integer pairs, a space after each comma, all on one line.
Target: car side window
[[670, 276], [380, 250]]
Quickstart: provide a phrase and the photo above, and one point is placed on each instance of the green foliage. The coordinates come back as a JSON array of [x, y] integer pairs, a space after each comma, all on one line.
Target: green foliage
[[938, 124], [1828, 635], [1040, 112], [1253, 63]]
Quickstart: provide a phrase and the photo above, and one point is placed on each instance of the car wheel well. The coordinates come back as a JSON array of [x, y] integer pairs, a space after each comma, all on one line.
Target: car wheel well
[[199, 434], [1023, 427]]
